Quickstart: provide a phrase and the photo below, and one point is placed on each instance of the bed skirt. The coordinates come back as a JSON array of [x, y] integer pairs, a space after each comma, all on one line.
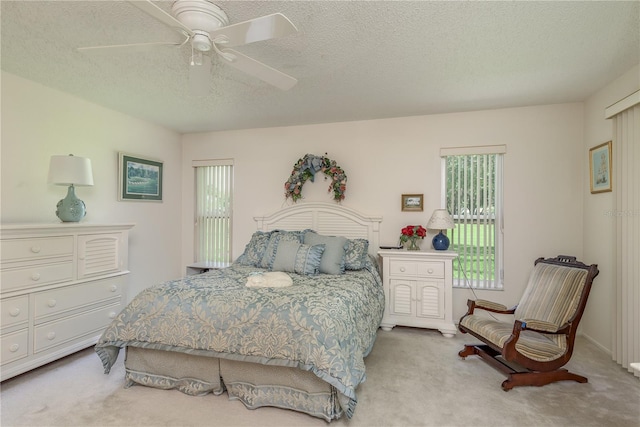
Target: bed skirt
[[255, 385]]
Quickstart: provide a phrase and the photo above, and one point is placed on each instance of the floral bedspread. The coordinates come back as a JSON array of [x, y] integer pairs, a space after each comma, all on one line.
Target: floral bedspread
[[325, 324]]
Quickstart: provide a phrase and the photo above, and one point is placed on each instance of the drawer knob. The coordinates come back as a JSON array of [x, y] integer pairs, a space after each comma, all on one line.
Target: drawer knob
[[52, 303], [113, 288], [35, 276], [35, 249], [402, 269], [51, 336], [430, 271], [112, 315], [15, 312], [14, 347]]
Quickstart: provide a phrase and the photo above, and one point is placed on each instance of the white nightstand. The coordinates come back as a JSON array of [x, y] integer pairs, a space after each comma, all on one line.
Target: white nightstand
[[203, 267], [418, 289]]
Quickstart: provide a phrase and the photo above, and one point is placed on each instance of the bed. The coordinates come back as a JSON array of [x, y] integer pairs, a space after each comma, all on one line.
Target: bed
[[300, 346]]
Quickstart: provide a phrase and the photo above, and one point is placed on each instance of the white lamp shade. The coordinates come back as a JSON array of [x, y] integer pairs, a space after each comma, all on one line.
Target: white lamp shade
[[68, 170], [440, 220]]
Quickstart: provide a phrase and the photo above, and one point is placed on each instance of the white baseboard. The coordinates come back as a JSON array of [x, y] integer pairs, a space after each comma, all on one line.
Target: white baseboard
[[596, 343]]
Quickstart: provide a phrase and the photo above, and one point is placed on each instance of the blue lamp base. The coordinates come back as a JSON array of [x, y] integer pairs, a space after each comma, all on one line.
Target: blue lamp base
[[71, 209], [440, 242]]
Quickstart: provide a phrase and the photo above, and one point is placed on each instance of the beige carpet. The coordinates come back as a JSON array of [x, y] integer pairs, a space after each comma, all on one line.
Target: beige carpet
[[415, 378]]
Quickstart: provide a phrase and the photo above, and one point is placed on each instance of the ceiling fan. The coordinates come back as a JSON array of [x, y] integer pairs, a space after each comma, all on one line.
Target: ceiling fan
[[206, 27]]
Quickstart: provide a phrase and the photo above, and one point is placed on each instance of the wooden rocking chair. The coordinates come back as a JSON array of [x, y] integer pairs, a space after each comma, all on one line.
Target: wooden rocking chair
[[532, 349]]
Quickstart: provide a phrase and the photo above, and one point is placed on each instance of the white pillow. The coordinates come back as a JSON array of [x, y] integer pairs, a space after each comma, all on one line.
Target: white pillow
[[270, 279]]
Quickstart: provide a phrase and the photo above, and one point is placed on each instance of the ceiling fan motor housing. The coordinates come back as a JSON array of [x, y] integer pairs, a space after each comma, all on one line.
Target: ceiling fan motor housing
[[202, 17]]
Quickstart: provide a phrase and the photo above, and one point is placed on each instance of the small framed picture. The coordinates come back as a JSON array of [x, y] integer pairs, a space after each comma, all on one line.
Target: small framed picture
[[139, 178], [600, 168], [412, 202]]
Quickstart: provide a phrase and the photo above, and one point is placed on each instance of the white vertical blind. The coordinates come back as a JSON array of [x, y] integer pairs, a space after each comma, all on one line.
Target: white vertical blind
[[473, 195], [626, 187], [214, 201]]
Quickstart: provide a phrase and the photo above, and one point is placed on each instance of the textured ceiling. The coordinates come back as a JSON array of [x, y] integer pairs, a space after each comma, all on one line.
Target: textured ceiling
[[354, 60]]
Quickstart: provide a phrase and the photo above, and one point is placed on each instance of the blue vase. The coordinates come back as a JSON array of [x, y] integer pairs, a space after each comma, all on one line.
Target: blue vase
[[440, 242]]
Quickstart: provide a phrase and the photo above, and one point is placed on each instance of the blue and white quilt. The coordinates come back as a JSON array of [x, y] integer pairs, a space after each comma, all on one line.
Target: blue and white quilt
[[325, 324]]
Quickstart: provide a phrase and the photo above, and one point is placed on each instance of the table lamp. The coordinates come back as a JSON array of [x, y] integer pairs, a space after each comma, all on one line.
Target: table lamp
[[440, 220], [70, 170]]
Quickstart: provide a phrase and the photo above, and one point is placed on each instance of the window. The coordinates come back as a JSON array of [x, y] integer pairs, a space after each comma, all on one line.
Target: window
[[213, 210], [473, 195]]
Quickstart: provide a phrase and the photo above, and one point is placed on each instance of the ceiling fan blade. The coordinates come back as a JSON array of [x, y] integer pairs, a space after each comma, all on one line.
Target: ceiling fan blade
[[151, 9], [138, 47], [254, 30], [258, 69], [199, 74]]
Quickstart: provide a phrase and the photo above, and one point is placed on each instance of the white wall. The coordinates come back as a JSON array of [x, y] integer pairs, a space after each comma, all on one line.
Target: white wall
[[38, 122], [599, 217], [386, 158]]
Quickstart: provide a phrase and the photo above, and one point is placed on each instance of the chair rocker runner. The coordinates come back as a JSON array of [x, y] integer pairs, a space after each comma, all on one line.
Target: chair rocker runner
[[532, 349]]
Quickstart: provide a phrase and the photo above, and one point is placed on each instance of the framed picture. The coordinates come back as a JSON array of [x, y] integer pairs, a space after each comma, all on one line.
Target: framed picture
[[412, 202], [600, 168], [139, 178]]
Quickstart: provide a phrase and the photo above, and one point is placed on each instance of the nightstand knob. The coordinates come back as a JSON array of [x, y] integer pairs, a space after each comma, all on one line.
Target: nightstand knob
[[14, 347], [51, 336], [112, 315], [402, 269], [430, 271], [35, 249], [52, 303], [35, 276], [113, 288], [14, 312]]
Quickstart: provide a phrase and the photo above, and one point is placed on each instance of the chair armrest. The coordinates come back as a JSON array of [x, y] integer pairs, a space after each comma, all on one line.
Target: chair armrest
[[493, 307], [544, 327]]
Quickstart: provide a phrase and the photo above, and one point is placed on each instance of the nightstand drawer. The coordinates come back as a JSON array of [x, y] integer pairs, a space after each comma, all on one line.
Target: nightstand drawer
[[416, 268], [431, 269], [36, 248], [14, 346], [403, 268], [36, 275], [14, 310]]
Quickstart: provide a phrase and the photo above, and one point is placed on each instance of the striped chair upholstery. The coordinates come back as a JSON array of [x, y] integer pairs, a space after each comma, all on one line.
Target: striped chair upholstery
[[542, 328]]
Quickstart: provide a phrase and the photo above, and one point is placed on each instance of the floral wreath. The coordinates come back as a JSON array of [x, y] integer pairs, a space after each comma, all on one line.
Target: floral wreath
[[306, 168]]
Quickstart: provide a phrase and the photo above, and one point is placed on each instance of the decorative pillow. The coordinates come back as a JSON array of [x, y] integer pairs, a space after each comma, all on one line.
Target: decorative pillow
[[254, 251], [298, 258], [270, 279], [276, 237], [333, 257], [355, 257]]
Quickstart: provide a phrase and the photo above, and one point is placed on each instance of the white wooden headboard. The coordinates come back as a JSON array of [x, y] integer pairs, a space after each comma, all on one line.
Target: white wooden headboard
[[330, 219]]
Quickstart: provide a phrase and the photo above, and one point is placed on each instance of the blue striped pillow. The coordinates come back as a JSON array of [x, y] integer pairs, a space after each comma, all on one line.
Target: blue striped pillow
[[298, 258]]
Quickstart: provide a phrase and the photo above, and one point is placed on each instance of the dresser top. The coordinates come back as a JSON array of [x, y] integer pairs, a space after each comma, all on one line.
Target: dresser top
[[11, 229]]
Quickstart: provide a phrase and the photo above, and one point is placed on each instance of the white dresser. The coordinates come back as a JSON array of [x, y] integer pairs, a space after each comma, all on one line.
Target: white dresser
[[60, 286], [418, 289]]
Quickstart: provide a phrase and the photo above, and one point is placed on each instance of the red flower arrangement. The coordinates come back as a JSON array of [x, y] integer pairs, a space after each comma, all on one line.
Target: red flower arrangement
[[411, 233]]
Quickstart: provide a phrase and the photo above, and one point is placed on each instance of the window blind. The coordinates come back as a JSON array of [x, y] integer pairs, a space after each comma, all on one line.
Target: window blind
[[473, 195], [213, 210]]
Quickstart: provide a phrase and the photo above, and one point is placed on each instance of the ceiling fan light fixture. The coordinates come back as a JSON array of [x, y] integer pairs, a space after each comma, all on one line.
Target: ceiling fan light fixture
[[201, 42], [199, 15]]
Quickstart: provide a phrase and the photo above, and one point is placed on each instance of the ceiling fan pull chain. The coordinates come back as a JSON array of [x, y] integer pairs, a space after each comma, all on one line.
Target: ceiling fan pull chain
[[196, 57]]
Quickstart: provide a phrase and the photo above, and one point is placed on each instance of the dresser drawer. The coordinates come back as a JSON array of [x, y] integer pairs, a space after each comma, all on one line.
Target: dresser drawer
[[404, 268], [15, 278], [14, 311], [36, 248], [56, 301], [14, 346], [78, 326]]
